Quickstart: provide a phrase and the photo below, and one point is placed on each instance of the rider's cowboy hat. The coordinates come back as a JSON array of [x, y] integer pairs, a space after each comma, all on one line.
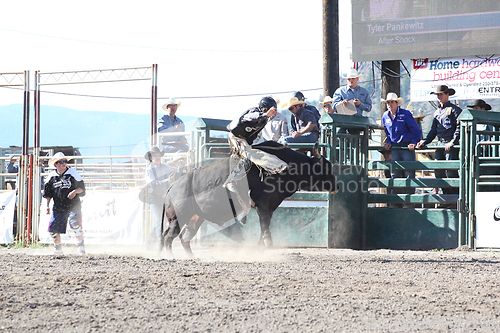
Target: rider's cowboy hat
[[352, 74], [481, 104], [57, 157], [154, 150], [294, 101], [327, 100], [171, 101], [444, 89], [393, 97]]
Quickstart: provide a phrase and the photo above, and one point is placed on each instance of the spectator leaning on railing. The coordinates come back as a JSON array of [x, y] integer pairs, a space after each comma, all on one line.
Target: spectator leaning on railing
[[401, 130], [171, 123], [479, 104], [355, 93]]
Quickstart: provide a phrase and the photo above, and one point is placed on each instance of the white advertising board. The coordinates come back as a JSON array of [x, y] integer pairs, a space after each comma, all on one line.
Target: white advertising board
[[7, 205], [109, 217], [472, 78], [488, 220]]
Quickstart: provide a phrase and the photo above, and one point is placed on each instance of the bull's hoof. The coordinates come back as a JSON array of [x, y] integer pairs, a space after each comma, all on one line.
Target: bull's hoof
[[268, 242], [187, 248], [169, 254]]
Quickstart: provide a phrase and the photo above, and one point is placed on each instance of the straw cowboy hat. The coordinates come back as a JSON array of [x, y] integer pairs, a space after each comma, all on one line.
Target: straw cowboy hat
[[294, 101], [327, 100], [154, 150], [481, 104], [171, 101], [352, 74], [443, 89], [393, 97], [57, 157]]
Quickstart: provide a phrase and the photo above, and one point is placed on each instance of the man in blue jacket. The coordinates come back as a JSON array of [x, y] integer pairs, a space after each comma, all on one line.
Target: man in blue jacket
[[401, 130]]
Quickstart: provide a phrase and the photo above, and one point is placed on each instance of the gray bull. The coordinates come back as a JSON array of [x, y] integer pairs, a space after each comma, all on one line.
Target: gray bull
[[198, 195]]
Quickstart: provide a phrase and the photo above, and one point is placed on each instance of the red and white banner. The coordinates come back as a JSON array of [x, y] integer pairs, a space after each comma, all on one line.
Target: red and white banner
[[7, 205], [109, 217], [472, 78]]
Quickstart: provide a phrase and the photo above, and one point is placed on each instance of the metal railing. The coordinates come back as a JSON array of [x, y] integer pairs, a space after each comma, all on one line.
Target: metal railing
[[6, 177], [424, 182], [189, 155], [112, 175]]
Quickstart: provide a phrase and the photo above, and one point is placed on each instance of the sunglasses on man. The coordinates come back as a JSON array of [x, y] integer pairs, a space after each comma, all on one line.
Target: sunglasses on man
[[62, 162]]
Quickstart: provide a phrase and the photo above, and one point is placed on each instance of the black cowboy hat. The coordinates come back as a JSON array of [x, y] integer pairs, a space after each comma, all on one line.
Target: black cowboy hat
[[444, 89], [154, 150], [480, 103]]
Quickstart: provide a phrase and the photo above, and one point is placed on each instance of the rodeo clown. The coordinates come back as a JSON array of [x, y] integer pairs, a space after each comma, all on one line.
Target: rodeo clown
[[242, 132], [65, 186]]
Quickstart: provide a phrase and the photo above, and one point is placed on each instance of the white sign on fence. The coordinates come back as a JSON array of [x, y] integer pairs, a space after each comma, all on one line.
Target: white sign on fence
[[488, 220], [7, 205], [472, 78], [109, 217]]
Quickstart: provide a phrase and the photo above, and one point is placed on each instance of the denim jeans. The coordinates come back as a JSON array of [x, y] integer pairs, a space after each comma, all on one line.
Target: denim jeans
[[304, 138], [403, 155], [175, 148], [450, 155]]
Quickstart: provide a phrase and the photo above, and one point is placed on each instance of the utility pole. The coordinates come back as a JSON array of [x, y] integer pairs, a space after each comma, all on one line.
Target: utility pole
[[390, 81], [331, 76]]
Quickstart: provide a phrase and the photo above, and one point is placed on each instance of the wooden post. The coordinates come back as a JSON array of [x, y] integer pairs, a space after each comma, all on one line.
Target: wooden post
[[390, 83], [331, 77], [390, 80]]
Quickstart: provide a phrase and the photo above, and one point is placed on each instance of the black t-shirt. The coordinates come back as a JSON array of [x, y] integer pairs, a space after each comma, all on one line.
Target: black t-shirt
[[59, 186]]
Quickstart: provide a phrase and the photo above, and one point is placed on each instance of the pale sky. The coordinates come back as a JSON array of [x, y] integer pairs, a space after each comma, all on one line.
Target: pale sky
[[202, 48]]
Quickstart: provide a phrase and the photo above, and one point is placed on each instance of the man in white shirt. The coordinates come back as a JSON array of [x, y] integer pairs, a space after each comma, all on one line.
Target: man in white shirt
[[275, 130]]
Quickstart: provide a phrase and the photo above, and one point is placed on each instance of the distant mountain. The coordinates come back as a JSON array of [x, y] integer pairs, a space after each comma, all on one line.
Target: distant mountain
[[94, 132]]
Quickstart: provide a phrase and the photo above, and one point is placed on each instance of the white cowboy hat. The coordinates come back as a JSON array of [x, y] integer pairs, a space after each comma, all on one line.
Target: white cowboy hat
[[293, 101], [327, 100], [352, 74], [57, 157], [393, 97], [171, 101]]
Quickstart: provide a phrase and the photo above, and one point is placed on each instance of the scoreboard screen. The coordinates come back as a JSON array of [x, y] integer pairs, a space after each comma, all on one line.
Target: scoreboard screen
[[411, 29]]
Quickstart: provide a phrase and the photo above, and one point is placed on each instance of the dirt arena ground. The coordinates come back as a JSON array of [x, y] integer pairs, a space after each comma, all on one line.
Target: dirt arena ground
[[235, 289]]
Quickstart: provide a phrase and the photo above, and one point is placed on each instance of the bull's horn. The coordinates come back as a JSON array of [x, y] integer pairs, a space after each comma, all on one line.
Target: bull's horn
[[315, 151]]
